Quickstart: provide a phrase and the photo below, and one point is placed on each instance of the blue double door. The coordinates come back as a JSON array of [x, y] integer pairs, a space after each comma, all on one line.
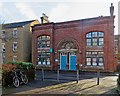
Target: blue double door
[[72, 62]]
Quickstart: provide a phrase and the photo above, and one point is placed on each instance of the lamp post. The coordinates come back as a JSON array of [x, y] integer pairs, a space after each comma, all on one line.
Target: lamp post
[[77, 75], [57, 70], [58, 73], [98, 76], [79, 65], [42, 74]]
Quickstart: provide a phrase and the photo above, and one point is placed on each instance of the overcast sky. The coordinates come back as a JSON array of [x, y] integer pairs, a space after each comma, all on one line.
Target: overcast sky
[[56, 10]]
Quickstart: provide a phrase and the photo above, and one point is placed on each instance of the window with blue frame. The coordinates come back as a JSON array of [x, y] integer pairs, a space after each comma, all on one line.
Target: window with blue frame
[[43, 41], [43, 58], [88, 41], [94, 58], [88, 35], [95, 39]]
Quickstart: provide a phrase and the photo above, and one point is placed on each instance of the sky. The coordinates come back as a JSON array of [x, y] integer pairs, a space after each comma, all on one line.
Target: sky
[[56, 10]]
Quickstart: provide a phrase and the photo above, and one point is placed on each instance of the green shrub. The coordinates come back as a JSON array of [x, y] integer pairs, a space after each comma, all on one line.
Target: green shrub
[[23, 65]]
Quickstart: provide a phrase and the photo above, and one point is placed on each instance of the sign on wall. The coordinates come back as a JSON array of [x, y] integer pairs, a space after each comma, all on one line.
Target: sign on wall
[[51, 50], [56, 60]]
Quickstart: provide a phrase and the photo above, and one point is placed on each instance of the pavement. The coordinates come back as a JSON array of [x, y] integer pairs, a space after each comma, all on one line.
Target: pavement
[[67, 84]]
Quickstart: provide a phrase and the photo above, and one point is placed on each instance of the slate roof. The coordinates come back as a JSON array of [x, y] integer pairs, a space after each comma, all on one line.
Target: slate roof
[[16, 24]]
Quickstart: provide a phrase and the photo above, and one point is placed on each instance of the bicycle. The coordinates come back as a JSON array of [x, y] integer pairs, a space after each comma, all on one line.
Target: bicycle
[[19, 77]]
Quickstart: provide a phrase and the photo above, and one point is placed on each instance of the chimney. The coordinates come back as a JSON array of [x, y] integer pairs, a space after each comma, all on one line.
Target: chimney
[[44, 19], [41, 20], [111, 10]]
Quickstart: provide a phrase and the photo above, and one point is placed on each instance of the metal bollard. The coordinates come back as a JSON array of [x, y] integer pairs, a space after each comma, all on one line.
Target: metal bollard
[[77, 76], [98, 76], [42, 74], [58, 75]]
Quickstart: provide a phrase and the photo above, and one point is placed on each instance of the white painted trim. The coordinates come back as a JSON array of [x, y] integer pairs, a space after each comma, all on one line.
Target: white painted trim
[[69, 60], [14, 56], [69, 50], [15, 42], [14, 28], [60, 60]]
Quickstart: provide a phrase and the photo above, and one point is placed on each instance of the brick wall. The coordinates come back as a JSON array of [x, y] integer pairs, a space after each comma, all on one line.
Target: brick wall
[[76, 31]]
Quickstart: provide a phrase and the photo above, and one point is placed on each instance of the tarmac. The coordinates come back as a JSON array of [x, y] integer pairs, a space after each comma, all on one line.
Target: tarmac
[[67, 85]]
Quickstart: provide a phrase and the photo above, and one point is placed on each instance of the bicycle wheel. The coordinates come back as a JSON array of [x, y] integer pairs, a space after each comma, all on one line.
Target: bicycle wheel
[[24, 79], [16, 82]]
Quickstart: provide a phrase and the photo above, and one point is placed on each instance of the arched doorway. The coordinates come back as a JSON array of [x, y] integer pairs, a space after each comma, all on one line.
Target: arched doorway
[[67, 54]]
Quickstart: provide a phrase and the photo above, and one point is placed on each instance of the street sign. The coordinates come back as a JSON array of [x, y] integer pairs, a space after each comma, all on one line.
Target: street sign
[[51, 50], [56, 60]]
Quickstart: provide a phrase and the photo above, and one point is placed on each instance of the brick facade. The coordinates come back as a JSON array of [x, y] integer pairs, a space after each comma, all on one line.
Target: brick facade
[[76, 31]]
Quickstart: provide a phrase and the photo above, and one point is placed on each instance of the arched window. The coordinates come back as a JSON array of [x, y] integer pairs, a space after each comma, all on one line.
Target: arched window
[[43, 58], [95, 39], [43, 41]]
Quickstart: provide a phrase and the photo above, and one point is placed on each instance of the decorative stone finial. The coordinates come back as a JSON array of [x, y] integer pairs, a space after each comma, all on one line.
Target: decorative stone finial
[[111, 10]]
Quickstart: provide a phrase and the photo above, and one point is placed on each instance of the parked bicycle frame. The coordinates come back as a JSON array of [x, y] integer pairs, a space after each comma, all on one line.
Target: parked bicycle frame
[[19, 77]]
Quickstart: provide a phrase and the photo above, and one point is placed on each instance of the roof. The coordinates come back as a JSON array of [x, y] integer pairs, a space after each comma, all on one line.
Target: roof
[[86, 19], [17, 24]]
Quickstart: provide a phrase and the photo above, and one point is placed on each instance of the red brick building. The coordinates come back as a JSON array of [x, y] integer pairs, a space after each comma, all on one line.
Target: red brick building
[[87, 42]]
